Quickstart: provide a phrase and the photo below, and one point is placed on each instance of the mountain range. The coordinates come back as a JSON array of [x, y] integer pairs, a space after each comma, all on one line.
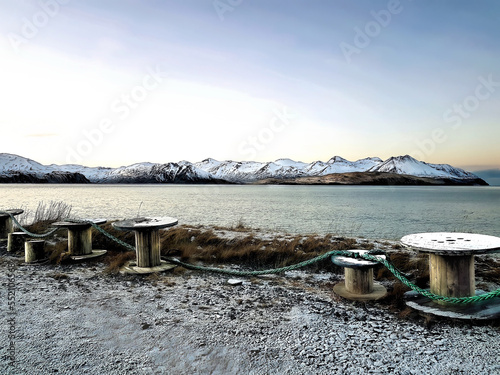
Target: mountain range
[[14, 168]]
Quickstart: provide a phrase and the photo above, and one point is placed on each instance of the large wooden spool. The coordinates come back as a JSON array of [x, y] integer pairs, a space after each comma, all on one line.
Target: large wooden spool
[[147, 243], [358, 278], [80, 238], [6, 225]]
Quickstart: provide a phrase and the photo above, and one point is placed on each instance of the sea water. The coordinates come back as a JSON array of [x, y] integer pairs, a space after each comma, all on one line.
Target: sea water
[[388, 212]]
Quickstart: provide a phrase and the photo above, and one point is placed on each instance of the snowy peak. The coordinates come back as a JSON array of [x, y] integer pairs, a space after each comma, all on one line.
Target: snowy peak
[[337, 159], [290, 163], [11, 162], [410, 166], [214, 171]]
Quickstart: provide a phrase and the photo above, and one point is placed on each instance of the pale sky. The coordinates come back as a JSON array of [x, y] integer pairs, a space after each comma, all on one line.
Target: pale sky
[[111, 83]]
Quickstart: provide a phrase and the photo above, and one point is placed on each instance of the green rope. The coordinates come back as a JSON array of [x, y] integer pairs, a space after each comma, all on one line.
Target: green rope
[[111, 237], [368, 256], [371, 256], [262, 272], [35, 235]]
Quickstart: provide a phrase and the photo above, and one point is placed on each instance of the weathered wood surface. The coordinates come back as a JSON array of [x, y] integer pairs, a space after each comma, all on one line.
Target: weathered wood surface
[[132, 268], [6, 225], [355, 262], [80, 237], [80, 241], [452, 276], [147, 238], [34, 251], [359, 281], [145, 223], [78, 226], [451, 259], [147, 245], [15, 242], [452, 244], [14, 211]]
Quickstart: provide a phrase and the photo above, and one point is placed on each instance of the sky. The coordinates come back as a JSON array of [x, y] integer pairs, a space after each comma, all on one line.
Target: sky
[[112, 83]]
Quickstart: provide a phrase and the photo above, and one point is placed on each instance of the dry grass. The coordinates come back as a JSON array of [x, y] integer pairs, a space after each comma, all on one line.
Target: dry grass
[[116, 260], [192, 244], [57, 253], [406, 262], [195, 244]]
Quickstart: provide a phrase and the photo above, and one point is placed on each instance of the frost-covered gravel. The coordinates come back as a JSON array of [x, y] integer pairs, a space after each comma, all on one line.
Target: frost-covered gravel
[[193, 323]]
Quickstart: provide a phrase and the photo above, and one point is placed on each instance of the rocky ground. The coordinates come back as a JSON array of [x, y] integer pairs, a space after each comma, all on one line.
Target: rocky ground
[[75, 319]]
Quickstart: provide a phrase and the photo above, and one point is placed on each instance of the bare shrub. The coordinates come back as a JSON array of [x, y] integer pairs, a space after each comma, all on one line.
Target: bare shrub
[[52, 211], [45, 214]]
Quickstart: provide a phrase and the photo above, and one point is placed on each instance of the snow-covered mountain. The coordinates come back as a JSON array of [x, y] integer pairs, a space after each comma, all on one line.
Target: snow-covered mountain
[[214, 171], [410, 166]]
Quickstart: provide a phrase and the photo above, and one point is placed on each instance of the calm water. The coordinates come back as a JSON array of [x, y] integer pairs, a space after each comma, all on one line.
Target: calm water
[[367, 211]]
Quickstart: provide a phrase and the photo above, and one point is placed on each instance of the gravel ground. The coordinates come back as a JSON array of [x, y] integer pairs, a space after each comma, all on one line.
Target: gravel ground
[[74, 319]]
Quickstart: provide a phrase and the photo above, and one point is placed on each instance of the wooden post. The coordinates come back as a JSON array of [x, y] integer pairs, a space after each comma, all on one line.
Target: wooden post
[[15, 241], [33, 251], [358, 284], [147, 245], [80, 241], [452, 276], [359, 280], [5, 226]]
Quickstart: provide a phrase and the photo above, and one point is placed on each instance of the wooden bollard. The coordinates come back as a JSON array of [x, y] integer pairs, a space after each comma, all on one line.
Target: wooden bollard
[[451, 260], [147, 243], [15, 241], [6, 225], [80, 238], [358, 284], [358, 280], [80, 241], [34, 251], [147, 246], [452, 276]]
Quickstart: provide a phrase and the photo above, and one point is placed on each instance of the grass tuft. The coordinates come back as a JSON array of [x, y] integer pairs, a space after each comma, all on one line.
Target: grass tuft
[[58, 252], [117, 260]]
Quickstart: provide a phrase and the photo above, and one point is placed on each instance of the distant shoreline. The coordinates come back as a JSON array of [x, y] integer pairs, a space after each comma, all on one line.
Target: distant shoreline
[[351, 178], [373, 178]]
